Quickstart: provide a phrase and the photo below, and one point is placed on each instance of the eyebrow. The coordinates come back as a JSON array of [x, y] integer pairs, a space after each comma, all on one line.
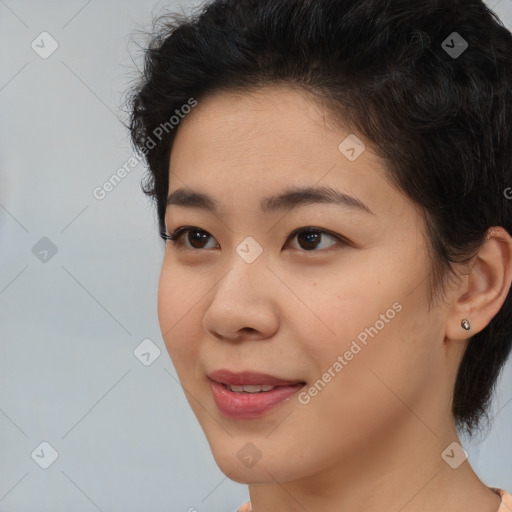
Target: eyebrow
[[291, 198]]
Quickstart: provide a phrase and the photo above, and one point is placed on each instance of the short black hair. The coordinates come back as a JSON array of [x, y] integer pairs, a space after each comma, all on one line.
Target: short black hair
[[441, 121]]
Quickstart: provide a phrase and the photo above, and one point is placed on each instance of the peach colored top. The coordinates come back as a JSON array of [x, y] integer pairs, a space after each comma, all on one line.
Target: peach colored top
[[506, 502]]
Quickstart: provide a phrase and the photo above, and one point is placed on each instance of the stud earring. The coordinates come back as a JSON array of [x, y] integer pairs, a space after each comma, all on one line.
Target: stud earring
[[465, 324]]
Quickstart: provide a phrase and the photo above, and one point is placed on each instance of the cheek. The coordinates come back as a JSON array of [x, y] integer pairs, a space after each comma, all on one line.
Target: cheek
[[365, 400], [333, 312], [175, 311], [390, 372], [165, 300], [382, 332]]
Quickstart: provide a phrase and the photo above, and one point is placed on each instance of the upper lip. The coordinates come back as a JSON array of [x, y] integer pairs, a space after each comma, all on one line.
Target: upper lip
[[249, 378]]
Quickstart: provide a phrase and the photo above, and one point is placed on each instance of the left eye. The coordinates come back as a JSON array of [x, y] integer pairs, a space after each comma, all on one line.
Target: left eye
[[308, 238]]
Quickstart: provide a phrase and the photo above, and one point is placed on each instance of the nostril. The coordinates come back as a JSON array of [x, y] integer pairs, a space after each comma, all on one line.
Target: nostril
[[249, 330]]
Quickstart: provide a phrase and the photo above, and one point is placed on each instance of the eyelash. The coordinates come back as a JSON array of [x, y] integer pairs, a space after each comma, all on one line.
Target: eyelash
[[176, 236]]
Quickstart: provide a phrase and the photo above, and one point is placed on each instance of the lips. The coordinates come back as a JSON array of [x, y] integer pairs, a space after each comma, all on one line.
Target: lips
[[247, 378], [248, 395]]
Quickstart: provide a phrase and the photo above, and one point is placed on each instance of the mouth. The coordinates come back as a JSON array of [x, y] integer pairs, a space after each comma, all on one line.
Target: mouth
[[257, 388], [250, 382], [247, 395]]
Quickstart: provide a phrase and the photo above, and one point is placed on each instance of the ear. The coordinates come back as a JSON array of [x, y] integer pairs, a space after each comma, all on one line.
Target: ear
[[484, 289]]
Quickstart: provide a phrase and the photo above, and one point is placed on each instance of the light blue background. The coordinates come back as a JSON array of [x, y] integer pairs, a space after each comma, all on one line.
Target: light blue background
[[125, 435]]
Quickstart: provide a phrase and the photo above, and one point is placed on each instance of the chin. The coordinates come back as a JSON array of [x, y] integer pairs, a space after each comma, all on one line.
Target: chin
[[248, 476], [261, 472]]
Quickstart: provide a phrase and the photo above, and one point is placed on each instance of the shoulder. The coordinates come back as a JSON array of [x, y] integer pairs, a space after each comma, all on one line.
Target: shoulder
[[246, 507], [506, 500]]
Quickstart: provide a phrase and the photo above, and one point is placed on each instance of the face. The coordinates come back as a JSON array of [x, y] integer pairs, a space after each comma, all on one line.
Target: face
[[329, 297]]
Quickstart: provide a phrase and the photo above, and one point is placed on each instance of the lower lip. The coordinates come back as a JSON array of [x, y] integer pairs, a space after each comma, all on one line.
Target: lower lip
[[250, 405]]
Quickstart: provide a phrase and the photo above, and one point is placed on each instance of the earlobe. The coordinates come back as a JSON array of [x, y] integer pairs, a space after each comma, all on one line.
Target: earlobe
[[485, 288]]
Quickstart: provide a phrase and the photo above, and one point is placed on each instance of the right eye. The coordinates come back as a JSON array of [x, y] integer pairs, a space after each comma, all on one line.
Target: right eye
[[194, 235]]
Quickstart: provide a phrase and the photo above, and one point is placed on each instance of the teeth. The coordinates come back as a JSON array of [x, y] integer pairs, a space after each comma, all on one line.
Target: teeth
[[250, 388]]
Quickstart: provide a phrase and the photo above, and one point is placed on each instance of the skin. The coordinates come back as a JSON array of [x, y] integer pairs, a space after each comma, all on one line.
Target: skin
[[372, 438]]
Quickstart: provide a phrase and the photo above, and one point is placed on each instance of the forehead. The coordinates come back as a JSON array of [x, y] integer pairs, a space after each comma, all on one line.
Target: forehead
[[258, 143], [245, 120]]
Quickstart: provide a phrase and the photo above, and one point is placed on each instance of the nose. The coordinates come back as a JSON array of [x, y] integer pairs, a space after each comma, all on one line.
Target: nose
[[243, 303]]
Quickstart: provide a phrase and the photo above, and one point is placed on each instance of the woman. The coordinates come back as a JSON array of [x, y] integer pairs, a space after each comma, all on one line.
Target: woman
[[331, 181]]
